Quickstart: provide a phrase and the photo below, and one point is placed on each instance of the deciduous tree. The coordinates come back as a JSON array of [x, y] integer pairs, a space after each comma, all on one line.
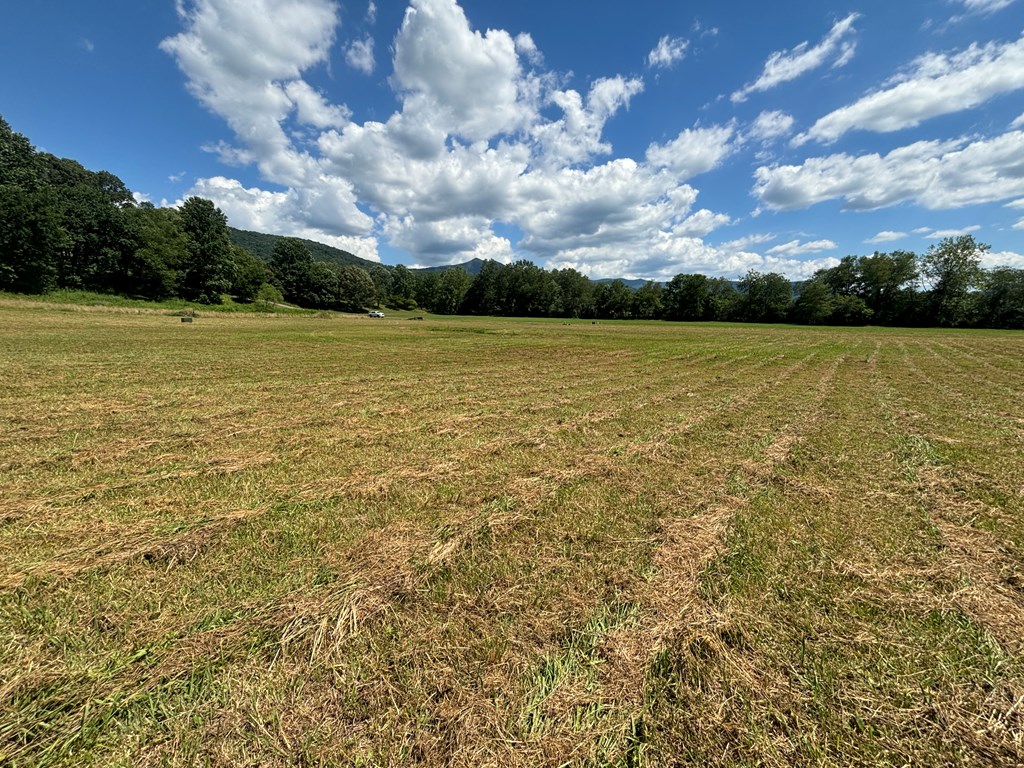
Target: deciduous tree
[[207, 269], [951, 269], [30, 236], [451, 290], [249, 274], [765, 297], [646, 301], [1001, 299], [356, 290]]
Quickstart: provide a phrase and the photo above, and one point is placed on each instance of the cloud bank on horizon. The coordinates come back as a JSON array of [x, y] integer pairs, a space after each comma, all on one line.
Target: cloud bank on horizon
[[486, 152]]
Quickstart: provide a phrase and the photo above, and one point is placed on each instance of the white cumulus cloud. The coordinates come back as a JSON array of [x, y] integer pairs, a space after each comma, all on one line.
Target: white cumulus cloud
[[472, 84], [360, 56], [798, 248], [990, 260], [481, 135], [313, 109], [451, 240], [744, 243], [886, 236], [528, 49], [240, 60], [939, 84], [933, 174], [694, 150], [783, 66], [938, 234], [667, 52], [577, 136], [770, 126], [702, 223]]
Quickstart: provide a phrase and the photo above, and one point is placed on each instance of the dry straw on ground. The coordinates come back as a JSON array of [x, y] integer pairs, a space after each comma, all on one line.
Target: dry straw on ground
[[474, 542]]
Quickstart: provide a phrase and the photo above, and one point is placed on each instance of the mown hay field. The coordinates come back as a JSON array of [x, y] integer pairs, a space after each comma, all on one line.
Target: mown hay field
[[482, 542]]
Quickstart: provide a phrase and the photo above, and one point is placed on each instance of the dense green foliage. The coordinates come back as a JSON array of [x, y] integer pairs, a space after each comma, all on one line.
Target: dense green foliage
[[63, 227], [944, 287]]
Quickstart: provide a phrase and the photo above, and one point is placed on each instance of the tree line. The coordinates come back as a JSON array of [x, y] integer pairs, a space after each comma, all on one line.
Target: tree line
[[945, 287], [65, 227]]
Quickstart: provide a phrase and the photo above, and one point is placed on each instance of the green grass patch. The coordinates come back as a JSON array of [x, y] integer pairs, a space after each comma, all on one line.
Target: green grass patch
[[329, 539]]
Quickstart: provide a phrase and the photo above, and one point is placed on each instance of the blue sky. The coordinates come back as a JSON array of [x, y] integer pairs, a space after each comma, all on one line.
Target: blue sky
[[624, 139]]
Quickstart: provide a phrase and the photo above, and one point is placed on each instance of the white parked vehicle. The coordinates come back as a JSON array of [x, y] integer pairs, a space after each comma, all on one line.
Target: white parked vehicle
[[375, 313]]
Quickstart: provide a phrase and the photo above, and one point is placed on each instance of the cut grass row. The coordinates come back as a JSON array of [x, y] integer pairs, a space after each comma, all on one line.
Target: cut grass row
[[308, 541]]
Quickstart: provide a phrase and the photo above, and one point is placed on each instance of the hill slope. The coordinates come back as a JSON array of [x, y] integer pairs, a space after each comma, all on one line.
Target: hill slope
[[262, 246], [472, 267]]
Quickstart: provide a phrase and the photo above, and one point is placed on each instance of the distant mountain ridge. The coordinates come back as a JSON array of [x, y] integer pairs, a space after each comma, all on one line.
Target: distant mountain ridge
[[634, 284], [262, 246], [472, 267]]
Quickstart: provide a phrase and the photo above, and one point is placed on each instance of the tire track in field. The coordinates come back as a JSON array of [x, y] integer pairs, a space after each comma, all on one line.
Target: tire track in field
[[922, 375], [986, 397], [601, 388], [87, 557], [670, 605], [371, 584], [604, 464], [965, 408], [136, 542], [981, 362], [692, 542], [587, 464], [472, 712], [943, 384]]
